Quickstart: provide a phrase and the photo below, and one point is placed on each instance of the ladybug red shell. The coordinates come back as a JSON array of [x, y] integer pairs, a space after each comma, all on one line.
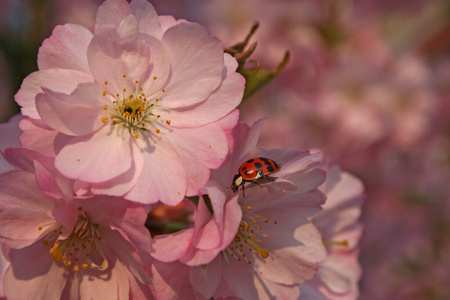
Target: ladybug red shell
[[252, 170]]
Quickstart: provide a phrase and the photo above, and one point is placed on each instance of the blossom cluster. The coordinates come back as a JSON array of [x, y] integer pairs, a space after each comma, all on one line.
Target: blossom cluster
[[128, 152]]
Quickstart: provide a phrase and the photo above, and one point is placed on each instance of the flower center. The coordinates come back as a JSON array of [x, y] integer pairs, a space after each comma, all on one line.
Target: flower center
[[80, 250], [249, 239], [135, 111]]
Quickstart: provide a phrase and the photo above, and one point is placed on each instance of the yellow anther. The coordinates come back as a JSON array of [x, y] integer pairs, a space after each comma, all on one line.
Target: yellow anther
[[157, 130], [154, 78], [105, 107], [264, 253], [168, 122], [104, 93], [210, 146], [137, 81], [76, 268], [158, 116], [104, 119], [157, 99], [249, 207], [124, 75], [40, 228], [106, 82], [56, 254], [136, 135], [85, 266], [163, 90]]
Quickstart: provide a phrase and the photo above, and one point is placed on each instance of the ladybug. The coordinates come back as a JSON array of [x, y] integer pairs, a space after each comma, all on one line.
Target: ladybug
[[252, 170]]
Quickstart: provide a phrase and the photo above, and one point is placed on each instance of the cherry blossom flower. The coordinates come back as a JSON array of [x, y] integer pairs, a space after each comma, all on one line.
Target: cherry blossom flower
[[133, 108], [339, 224], [253, 247], [82, 248]]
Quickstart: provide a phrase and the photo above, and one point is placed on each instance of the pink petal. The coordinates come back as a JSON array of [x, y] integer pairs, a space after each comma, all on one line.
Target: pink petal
[[111, 12], [66, 48], [242, 282], [96, 158], [97, 287], [160, 165], [218, 104], [46, 182], [227, 124], [39, 137], [138, 290], [167, 22], [146, 17], [277, 291], [57, 80], [76, 114], [197, 63], [23, 209], [206, 237], [205, 279], [159, 67], [126, 253], [45, 280], [23, 158], [201, 149], [112, 54], [171, 280], [343, 206], [67, 216], [231, 220], [123, 183], [295, 245], [172, 247], [218, 199]]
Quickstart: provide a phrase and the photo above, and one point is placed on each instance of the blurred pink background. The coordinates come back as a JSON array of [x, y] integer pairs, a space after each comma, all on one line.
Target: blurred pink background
[[368, 83]]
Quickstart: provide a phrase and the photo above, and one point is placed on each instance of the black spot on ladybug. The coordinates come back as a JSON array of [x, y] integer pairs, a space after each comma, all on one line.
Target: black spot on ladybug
[[250, 160], [244, 168], [270, 169], [258, 165]]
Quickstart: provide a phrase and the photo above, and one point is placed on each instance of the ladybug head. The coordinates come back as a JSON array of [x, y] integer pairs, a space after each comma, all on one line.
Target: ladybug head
[[237, 182]]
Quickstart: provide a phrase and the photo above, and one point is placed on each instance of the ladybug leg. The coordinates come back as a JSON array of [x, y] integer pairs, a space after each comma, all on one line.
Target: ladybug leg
[[243, 191], [270, 178]]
